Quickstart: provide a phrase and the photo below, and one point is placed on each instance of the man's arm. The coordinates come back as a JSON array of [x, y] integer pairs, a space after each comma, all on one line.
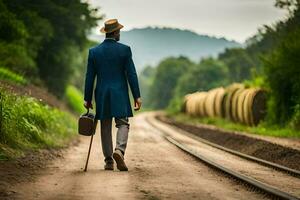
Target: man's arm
[[133, 80], [89, 81]]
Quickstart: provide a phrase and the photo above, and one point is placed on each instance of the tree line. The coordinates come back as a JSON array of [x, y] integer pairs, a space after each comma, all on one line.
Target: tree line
[[45, 41], [270, 60]]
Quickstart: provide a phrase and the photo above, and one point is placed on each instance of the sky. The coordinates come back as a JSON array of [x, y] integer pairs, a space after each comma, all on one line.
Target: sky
[[233, 19]]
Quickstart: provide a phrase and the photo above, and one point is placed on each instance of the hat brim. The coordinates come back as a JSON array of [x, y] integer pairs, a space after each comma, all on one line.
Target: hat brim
[[102, 30]]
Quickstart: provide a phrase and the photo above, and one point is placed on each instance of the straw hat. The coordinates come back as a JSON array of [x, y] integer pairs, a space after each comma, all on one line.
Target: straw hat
[[111, 25]]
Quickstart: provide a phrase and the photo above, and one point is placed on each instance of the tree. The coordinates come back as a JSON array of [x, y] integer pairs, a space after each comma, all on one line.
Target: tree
[[57, 34], [283, 75], [167, 74], [13, 35], [239, 64], [146, 80], [290, 5], [208, 74], [281, 67]]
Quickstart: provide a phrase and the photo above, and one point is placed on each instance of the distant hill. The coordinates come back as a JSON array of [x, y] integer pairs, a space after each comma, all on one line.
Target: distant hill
[[150, 45]]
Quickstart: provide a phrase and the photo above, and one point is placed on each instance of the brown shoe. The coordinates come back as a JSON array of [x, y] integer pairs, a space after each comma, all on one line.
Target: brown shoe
[[109, 165], [119, 158]]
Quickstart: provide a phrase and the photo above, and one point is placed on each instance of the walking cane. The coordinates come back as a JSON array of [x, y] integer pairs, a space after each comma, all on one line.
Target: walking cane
[[90, 147], [88, 156]]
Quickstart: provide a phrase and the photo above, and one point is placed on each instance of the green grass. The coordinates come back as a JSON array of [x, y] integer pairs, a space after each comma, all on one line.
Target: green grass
[[27, 124], [7, 75], [261, 129], [74, 99]]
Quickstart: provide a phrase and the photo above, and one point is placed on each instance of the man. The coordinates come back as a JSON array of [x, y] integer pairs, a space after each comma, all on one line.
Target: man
[[112, 63]]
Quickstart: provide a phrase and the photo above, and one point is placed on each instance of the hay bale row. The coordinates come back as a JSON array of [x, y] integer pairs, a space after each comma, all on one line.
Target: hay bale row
[[205, 104], [237, 103]]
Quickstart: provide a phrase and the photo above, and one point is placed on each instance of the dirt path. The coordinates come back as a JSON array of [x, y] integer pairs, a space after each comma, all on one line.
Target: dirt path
[[157, 170]]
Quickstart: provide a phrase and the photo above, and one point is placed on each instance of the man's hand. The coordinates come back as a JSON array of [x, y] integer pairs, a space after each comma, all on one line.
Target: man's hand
[[137, 104], [88, 104]]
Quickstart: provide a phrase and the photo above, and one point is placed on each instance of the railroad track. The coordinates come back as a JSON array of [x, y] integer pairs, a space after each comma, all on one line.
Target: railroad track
[[270, 190], [293, 172]]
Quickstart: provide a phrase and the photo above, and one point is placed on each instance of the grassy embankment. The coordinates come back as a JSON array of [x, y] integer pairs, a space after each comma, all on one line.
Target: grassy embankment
[[10, 76], [74, 99], [261, 129], [28, 124]]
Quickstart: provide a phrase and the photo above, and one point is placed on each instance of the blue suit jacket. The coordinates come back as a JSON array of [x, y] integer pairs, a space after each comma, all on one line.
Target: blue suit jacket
[[112, 63]]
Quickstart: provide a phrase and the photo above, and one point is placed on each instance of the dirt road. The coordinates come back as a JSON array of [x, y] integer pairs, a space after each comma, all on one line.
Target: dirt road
[[157, 170]]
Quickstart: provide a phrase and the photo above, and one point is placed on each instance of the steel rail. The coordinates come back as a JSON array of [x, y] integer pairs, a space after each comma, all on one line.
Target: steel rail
[[293, 172], [268, 189]]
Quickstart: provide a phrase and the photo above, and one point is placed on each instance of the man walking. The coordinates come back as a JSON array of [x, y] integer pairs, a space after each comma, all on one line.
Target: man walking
[[112, 63]]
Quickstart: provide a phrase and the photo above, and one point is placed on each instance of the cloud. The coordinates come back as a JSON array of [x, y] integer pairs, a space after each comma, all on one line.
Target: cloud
[[233, 19]]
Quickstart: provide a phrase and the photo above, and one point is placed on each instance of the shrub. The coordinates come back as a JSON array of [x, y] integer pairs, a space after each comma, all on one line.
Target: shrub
[[295, 122], [6, 74], [282, 72], [26, 124]]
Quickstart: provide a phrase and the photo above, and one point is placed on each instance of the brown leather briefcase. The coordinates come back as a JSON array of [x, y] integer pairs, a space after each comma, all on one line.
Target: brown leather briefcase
[[86, 124]]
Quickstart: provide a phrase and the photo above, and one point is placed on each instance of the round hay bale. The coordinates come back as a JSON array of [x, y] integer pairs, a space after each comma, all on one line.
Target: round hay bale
[[198, 98], [199, 106], [188, 103], [258, 106], [234, 104], [184, 104], [218, 106], [240, 105], [247, 114], [202, 105], [223, 105], [229, 92], [210, 102], [193, 104]]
